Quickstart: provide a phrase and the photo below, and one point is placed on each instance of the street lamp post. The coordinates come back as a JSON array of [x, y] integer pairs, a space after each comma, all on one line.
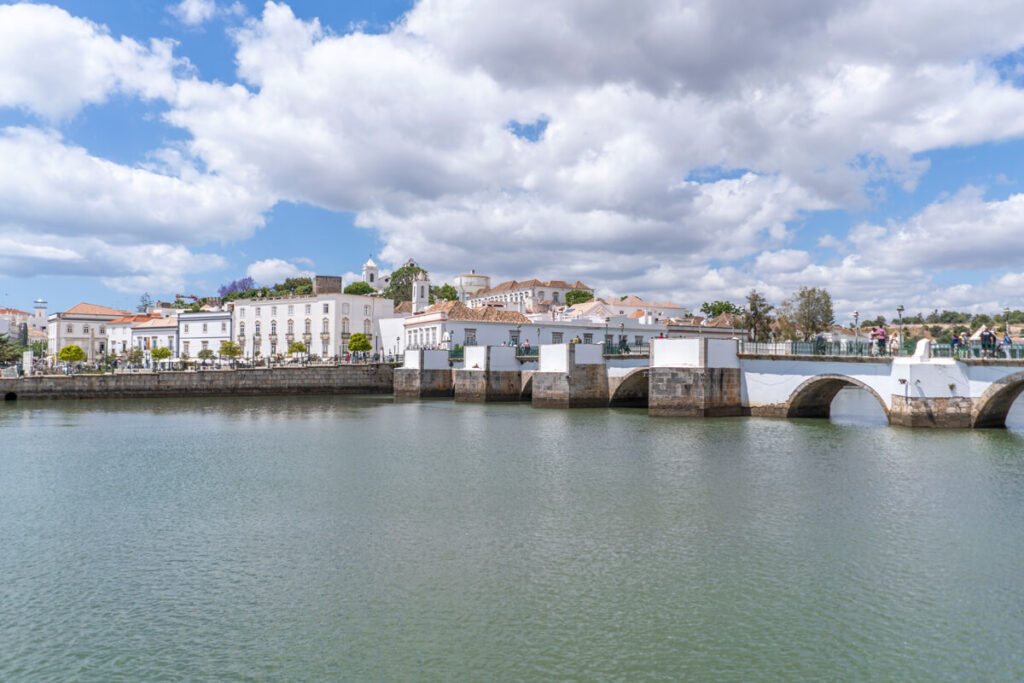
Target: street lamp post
[[899, 311], [856, 328], [622, 337]]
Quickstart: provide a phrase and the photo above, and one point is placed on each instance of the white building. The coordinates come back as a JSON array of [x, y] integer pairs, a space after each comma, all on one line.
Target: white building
[[82, 325], [631, 306], [38, 319], [156, 333], [452, 323], [470, 284], [204, 330], [266, 327], [371, 275], [531, 296], [119, 332]]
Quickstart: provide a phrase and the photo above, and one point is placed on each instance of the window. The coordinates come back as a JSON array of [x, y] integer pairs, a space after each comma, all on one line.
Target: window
[[324, 347], [556, 337], [273, 310], [344, 325], [257, 311], [371, 277], [540, 295], [327, 325], [344, 309], [367, 328], [607, 339], [186, 328], [291, 327], [170, 342], [223, 327], [309, 326], [103, 330], [366, 310], [470, 337], [241, 312], [206, 345], [185, 347], [273, 327], [327, 308], [309, 308], [204, 327], [257, 328], [291, 309], [638, 339], [588, 337], [554, 297], [85, 329], [70, 329], [241, 329], [513, 337]]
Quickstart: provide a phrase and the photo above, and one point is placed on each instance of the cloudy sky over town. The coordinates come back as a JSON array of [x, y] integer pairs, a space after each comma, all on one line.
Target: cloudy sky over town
[[686, 150]]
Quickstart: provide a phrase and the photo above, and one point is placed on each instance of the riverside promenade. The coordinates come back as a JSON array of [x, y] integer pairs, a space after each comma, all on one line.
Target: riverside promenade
[[326, 379]]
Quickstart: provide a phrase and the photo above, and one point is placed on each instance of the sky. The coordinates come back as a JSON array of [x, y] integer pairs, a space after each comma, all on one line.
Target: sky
[[685, 150]]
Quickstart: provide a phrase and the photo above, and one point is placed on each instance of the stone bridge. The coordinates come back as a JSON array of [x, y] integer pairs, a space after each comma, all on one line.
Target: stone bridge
[[710, 378]]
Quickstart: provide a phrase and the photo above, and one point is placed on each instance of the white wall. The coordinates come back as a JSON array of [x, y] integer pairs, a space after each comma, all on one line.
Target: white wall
[[721, 353], [589, 354], [554, 358], [476, 358], [676, 353]]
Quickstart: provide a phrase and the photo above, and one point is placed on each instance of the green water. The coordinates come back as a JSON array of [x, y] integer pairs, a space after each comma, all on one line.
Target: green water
[[354, 538]]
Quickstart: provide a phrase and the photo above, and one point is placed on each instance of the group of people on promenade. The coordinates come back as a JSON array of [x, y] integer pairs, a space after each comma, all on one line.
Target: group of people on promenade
[[879, 337], [991, 345]]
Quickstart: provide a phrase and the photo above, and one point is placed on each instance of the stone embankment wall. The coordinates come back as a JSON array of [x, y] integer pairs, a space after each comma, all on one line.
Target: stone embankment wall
[[695, 392], [413, 383], [345, 379]]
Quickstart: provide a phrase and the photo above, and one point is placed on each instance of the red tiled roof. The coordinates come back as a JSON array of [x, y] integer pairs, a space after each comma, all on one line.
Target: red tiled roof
[[512, 285], [13, 311], [456, 310], [94, 309], [141, 317]]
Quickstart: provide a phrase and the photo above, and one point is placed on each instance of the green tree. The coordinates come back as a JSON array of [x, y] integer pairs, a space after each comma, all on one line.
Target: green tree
[[714, 309], [145, 301], [757, 319], [161, 354], [136, 356], [577, 296], [359, 342], [206, 354], [445, 293], [399, 287], [811, 311], [296, 347], [9, 351], [38, 348], [230, 349], [361, 288], [71, 353]]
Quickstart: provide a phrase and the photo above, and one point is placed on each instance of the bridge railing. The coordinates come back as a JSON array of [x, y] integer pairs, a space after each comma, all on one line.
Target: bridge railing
[[813, 348], [614, 349], [975, 350]]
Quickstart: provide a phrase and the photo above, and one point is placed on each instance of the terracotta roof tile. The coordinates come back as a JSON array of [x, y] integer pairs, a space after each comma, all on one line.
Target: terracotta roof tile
[[93, 309]]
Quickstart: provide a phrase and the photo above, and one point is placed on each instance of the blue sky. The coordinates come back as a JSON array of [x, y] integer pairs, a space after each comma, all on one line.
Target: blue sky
[[686, 152]]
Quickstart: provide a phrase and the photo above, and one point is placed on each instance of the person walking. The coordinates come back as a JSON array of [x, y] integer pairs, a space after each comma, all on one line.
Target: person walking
[[1007, 343], [988, 342], [880, 339]]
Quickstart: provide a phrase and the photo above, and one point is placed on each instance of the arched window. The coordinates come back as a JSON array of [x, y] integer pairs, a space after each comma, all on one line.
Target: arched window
[[309, 326], [241, 329], [291, 327], [367, 327], [273, 327], [344, 325], [257, 327], [327, 325], [554, 297]]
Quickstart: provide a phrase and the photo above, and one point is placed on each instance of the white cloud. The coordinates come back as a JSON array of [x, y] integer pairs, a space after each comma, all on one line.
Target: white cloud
[[274, 270], [53, 64], [193, 12], [63, 189]]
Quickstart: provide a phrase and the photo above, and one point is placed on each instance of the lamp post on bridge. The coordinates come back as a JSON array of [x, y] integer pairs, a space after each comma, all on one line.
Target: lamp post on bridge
[[899, 311], [856, 329]]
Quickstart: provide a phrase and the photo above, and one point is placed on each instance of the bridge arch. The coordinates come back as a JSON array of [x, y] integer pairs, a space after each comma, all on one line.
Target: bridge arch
[[992, 406], [526, 393], [10, 396], [632, 390], [813, 398]]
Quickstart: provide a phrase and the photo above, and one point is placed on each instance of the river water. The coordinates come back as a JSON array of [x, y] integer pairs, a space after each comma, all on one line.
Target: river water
[[317, 538]]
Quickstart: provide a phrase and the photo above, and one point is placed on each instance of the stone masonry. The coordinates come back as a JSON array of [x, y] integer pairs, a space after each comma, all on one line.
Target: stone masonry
[[694, 392]]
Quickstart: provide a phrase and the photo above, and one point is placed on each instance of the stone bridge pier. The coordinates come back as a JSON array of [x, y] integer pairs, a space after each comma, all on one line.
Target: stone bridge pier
[[425, 373], [696, 377], [570, 376], [490, 373]]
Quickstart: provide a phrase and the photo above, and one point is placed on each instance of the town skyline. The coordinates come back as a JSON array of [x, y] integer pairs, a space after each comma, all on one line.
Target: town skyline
[[184, 144]]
